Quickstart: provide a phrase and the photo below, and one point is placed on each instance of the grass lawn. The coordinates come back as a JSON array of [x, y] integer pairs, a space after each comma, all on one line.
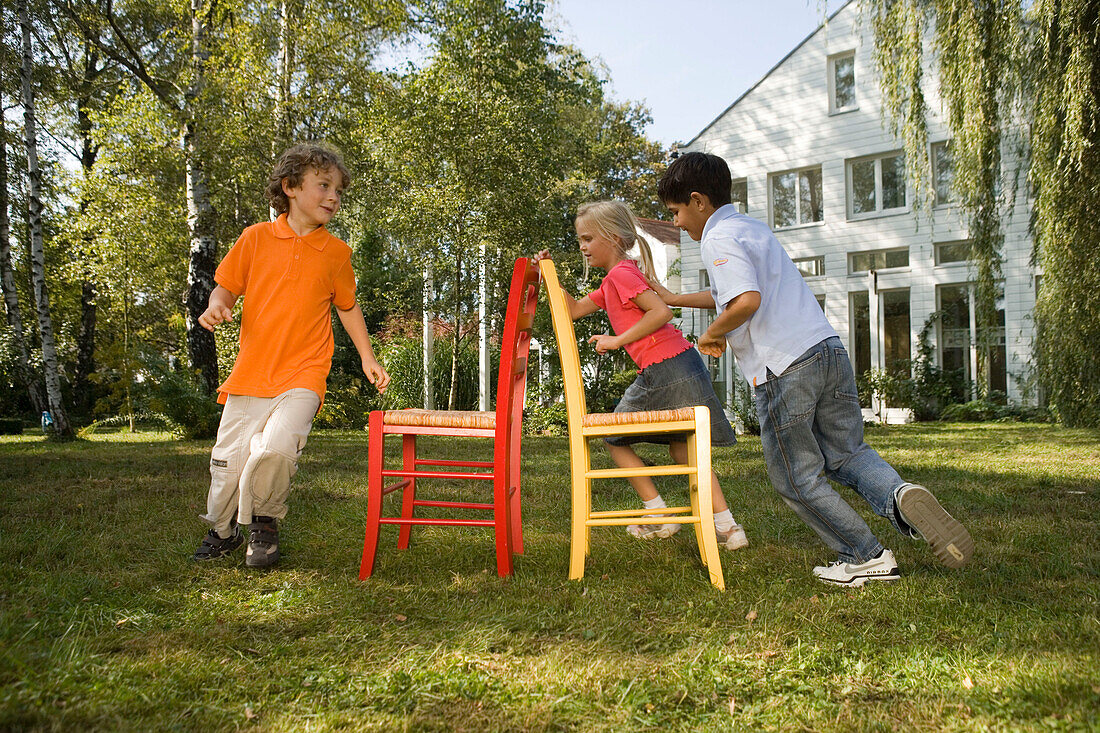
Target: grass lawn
[[106, 624]]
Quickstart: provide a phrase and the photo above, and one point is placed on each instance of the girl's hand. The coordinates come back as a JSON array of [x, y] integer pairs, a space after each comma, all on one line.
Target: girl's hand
[[542, 255], [376, 374], [605, 343]]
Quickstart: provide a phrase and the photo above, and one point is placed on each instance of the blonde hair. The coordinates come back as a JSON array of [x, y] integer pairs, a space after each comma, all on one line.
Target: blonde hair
[[616, 223]]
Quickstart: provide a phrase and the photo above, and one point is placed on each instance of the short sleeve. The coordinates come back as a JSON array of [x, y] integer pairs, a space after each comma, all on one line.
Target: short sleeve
[[343, 287], [731, 271], [623, 281], [232, 273]]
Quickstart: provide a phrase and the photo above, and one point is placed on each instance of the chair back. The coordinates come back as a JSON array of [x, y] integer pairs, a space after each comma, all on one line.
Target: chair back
[[519, 315], [570, 357]]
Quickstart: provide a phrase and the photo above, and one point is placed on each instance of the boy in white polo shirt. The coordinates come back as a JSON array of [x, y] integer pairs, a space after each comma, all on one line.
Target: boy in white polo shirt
[[811, 426]]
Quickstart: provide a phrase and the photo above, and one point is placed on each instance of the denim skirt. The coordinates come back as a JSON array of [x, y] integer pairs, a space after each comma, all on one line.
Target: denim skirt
[[680, 381]]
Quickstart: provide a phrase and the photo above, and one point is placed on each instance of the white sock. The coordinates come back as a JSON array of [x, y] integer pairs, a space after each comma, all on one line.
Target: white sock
[[723, 520], [655, 503]]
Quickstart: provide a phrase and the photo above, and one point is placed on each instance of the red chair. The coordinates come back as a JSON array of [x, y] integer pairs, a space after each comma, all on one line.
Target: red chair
[[504, 426]]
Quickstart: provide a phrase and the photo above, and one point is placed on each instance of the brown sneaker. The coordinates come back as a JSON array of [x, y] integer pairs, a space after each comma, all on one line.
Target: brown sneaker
[[263, 543], [949, 540], [732, 539]]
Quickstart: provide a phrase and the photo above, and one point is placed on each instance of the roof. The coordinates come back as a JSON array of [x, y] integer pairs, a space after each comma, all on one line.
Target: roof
[[663, 231], [772, 69]]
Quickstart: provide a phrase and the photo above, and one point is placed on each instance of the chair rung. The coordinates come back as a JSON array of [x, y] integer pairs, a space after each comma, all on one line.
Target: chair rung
[[437, 474], [394, 487], [439, 522], [674, 470], [615, 521], [453, 504], [462, 464], [640, 513]]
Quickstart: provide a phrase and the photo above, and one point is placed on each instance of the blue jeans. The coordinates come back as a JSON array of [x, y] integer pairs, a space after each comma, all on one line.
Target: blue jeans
[[811, 429]]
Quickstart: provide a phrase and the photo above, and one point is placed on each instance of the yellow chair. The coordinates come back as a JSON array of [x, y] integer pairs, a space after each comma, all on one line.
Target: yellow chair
[[693, 421]]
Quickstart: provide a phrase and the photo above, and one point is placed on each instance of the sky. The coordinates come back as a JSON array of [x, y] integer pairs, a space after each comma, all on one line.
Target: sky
[[688, 60]]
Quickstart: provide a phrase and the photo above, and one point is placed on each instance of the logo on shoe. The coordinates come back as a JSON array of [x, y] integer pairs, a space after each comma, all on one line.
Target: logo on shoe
[[866, 569], [955, 552]]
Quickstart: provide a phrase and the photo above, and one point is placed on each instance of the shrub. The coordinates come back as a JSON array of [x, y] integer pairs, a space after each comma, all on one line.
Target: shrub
[[11, 426], [176, 395], [348, 402], [549, 419]]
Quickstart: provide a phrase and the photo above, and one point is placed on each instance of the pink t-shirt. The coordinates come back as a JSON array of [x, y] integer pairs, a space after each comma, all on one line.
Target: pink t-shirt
[[619, 286]]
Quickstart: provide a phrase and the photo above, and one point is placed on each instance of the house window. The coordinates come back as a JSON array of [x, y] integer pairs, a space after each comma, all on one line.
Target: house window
[[842, 82], [895, 332], [951, 252], [957, 343], [859, 306], [810, 266], [739, 193], [796, 198], [820, 301], [876, 185], [880, 259], [943, 173]]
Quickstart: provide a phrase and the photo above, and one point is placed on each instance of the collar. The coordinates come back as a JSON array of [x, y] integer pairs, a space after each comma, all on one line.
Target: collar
[[723, 212], [317, 239]]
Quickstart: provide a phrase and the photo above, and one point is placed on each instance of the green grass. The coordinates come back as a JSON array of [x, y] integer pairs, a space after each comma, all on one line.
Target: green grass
[[105, 623]]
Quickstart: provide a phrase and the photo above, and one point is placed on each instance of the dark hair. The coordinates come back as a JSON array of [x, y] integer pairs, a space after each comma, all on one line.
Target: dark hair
[[292, 166], [695, 172]]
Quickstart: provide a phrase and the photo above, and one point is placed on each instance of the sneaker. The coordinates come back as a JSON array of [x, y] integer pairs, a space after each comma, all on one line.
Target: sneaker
[[263, 543], [883, 567], [653, 531], [214, 545], [949, 540], [732, 539]]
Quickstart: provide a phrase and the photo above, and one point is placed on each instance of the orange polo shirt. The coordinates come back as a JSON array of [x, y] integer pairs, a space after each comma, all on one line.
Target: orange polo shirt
[[289, 285]]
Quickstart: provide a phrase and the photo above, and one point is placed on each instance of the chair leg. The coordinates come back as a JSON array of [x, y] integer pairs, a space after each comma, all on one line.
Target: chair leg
[[513, 482], [374, 494], [408, 494], [700, 457], [578, 546], [502, 524]]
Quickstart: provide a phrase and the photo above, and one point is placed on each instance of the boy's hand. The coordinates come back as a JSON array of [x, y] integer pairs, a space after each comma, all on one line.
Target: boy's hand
[[376, 375], [214, 314], [542, 255], [661, 290], [604, 343], [711, 345]]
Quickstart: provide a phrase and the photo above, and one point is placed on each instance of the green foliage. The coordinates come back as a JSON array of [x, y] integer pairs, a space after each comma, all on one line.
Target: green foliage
[[552, 419], [403, 359], [348, 402], [179, 396], [11, 426], [1064, 73]]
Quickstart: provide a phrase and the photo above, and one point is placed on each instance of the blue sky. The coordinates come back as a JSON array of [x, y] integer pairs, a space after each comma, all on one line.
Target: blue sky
[[686, 61]]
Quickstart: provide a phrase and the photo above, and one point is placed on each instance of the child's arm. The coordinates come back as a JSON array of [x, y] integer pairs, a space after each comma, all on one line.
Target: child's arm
[[352, 320], [219, 308], [577, 308], [738, 310], [701, 299], [656, 315]]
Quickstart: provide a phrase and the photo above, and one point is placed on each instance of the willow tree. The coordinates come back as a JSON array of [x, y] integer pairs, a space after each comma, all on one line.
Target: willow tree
[[1064, 67], [975, 50]]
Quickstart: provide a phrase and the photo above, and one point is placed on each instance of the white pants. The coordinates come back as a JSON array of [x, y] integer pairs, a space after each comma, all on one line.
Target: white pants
[[256, 455]]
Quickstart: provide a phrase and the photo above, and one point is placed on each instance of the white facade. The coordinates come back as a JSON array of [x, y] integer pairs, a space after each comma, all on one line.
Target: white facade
[[807, 117]]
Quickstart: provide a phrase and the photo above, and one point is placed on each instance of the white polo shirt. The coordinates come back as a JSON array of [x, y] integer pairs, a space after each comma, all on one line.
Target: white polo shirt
[[742, 254]]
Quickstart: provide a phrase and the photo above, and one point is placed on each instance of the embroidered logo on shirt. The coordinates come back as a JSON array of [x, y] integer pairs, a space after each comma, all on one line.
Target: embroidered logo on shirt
[[717, 263]]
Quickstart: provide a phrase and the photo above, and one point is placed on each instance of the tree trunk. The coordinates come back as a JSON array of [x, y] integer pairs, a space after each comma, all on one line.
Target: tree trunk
[[452, 397], [61, 424], [201, 349], [11, 296], [85, 340], [428, 339]]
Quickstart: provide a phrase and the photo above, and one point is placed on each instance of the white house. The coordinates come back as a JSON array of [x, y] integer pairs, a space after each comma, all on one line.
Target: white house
[[810, 156]]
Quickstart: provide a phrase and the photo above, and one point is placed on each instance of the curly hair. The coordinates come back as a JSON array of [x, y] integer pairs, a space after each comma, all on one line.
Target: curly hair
[[291, 167]]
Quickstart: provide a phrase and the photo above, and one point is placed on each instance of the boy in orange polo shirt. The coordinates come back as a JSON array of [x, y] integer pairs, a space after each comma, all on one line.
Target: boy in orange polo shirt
[[291, 272]]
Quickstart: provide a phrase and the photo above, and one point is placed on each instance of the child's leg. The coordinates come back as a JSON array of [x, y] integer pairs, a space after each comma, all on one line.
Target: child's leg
[[786, 406], [240, 421], [273, 455], [625, 457], [678, 451]]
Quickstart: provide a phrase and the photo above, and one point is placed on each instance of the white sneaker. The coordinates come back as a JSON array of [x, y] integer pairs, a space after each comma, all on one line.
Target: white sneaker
[[883, 567], [732, 539], [652, 531], [948, 539]]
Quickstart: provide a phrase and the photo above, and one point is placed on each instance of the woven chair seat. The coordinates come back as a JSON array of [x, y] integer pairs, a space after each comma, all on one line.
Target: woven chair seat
[[602, 419], [441, 418]]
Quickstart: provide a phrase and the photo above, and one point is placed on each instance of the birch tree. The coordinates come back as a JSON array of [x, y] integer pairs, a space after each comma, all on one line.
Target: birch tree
[[61, 425]]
